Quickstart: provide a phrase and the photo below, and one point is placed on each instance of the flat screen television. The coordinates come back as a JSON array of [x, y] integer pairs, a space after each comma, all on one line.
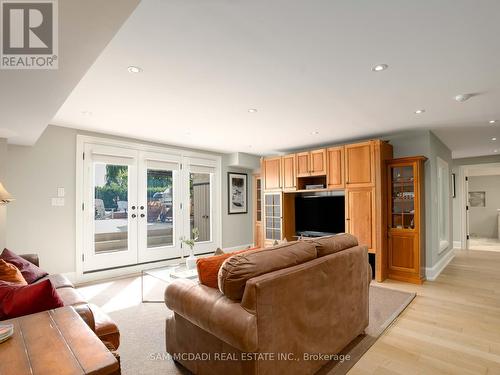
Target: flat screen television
[[319, 215]]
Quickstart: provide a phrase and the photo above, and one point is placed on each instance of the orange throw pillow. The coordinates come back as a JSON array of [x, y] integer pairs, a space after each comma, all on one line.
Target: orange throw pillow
[[208, 267], [10, 273]]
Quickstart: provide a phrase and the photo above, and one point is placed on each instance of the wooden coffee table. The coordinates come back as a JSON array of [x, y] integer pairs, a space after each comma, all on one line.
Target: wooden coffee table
[[55, 342]]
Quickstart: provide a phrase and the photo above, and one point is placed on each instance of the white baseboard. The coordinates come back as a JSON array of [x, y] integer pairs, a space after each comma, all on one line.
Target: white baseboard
[[239, 247], [432, 273], [457, 244]]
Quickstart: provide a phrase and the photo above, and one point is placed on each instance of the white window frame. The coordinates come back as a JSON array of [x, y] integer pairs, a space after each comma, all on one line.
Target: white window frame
[[214, 161]]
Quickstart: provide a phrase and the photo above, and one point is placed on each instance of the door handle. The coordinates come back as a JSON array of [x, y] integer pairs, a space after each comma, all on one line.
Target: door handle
[[134, 216], [133, 207], [142, 215]]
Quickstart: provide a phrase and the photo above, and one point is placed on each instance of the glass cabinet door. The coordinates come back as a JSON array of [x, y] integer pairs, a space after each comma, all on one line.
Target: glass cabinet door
[[402, 197], [272, 210]]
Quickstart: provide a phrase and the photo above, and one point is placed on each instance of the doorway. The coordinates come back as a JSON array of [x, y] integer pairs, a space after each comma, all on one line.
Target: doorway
[[481, 196]]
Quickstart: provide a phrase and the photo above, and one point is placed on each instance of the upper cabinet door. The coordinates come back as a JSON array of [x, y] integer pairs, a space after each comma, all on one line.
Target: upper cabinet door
[[318, 162], [288, 165], [303, 164], [335, 162], [271, 169], [360, 169]]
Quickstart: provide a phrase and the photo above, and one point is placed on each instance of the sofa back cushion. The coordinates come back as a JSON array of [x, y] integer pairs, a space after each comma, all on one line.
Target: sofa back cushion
[[332, 244], [10, 273], [236, 270], [30, 272], [208, 267]]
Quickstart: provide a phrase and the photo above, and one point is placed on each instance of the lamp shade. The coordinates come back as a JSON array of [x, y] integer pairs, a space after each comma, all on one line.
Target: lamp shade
[[5, 197]]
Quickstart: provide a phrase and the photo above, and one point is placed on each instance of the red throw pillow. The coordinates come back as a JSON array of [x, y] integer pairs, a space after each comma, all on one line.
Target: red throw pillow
[[30, 272], [16, 300], [208, 267]]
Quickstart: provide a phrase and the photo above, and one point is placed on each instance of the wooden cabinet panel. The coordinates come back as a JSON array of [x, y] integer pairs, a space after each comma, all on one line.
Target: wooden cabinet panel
[[317, 162], [335, 162], [271, 169], [288, 172], [302, 159], [359, 165], [360, 222], [403, 252]]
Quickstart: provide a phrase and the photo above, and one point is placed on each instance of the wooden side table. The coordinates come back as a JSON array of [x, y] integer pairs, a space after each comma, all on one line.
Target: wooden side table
[[55, 342]]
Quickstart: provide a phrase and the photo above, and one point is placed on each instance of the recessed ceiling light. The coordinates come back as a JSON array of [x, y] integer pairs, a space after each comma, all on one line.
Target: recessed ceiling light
[[495, 151], [252, 110], [134, 69], [492, 121], [380, 67], [494, 139], [419, 111], [86, 113], [315, 132]]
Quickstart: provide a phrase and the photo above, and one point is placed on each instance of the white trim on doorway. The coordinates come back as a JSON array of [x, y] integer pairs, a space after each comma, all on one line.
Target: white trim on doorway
[[467, 171], [211, 160]]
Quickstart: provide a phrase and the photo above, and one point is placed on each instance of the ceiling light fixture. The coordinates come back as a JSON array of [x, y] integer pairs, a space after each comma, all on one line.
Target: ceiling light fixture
[[252, 110], [86, 113], [463, 97], [494, 139], [492, 121], [495, 151], [380, 67], [419, 111], [134, 69], [315, 132]]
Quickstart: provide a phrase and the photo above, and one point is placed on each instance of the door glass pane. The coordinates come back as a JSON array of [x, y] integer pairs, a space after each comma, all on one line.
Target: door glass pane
[[110, 208], [403, 197], [160, 219], [200, 209]]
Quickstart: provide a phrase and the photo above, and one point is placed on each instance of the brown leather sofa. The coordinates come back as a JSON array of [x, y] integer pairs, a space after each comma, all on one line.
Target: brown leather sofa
[[105, 328], [282, 310]]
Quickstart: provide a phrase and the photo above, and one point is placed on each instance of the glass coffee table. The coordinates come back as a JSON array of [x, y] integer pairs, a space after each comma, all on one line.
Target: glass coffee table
[[166, 275]]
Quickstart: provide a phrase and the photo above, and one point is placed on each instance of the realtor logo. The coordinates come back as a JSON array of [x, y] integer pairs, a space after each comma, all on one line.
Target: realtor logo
[[29, 34]]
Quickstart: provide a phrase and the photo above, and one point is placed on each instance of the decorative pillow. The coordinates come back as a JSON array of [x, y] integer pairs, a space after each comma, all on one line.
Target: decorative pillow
[[208, 267], [10, 273], [23, 300], [238, 269], [332, 244], [31, 273], [219, 251]]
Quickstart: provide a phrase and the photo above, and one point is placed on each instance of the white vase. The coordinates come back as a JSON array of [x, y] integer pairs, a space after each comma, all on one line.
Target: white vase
[[191, 262]]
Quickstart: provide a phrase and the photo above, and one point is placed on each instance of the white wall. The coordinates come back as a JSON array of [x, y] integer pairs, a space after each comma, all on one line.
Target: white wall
[[33, 175], [484, 220], [3, 209]]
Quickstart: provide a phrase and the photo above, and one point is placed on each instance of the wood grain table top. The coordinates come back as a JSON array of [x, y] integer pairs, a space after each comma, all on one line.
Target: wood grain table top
[[54, 342]]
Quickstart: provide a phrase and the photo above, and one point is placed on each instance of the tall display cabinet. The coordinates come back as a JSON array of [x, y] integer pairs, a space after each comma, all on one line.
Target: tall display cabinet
[[406, 254]]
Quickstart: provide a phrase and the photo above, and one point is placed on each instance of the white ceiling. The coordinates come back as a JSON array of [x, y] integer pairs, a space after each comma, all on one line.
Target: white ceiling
[[29, 99], [305, 65]]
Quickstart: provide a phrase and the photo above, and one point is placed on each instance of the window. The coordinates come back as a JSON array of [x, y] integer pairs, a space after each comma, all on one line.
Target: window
[[443, 204]]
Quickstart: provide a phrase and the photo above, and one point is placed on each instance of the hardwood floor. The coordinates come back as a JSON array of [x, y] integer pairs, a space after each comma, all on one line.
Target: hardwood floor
[[452, 326]]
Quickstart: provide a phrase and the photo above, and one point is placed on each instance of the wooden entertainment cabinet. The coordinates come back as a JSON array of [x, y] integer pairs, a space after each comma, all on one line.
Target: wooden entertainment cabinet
[[358, 169]]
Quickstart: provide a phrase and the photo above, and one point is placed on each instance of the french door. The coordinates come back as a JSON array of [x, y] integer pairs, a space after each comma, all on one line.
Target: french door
[[139, 204]]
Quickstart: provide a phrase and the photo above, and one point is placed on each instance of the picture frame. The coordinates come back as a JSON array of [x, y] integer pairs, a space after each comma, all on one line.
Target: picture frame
[[237, 193]]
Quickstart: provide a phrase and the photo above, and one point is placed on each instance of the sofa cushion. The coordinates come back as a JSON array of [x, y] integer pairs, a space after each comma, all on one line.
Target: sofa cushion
[[105, 328], [30, 272], [208, 267], [236, 270], [10, 273], [20, 300], [58, 281], [332, 244]]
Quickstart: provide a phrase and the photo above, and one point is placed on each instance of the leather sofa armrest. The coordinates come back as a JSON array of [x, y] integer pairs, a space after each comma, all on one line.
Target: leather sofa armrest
[[32, 258], [210, 310], [86, 314]]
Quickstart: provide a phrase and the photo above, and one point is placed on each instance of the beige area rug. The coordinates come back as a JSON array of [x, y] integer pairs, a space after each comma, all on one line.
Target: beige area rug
[[142, 325]]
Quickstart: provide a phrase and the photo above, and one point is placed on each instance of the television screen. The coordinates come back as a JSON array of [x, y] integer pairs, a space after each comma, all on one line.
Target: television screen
[[320, 214]]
